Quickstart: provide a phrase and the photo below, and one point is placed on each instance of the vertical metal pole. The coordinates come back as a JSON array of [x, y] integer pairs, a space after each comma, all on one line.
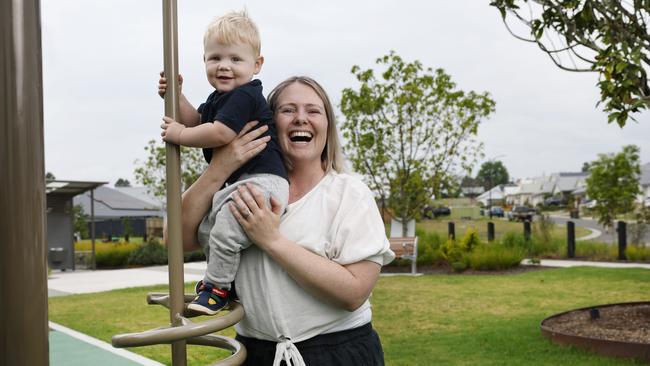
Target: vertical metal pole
[[23, 260], [622, 240], [571, 239], [173, 179], [92, 228]]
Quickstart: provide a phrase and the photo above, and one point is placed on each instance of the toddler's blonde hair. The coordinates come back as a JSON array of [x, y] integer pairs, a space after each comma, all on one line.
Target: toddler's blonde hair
[[234, 27]]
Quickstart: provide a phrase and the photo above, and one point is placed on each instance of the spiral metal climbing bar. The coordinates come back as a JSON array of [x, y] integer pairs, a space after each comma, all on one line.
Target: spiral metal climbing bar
[[181, 331]]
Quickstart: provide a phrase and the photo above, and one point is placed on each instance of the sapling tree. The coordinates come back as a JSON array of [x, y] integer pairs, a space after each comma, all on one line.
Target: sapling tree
[[151, 172], [614, 184], [408, 130]]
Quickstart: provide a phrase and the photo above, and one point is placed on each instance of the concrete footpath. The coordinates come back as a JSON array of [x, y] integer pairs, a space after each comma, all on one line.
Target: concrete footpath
[[61, 283]]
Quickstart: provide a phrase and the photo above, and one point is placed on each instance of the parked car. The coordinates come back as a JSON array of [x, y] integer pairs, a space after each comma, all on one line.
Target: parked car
[[433, 212], [521, 213], [497, 211], [554, 201]]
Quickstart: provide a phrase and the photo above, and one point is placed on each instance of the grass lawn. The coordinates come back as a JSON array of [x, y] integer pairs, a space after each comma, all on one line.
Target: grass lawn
[[426, 320], [500, 227]]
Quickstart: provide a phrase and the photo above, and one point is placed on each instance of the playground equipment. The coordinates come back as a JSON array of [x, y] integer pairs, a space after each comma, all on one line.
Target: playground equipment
[[182, 331]]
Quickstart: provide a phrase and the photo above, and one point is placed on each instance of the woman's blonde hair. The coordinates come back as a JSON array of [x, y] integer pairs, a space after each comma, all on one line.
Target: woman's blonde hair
[[234, 27], [332, 156]]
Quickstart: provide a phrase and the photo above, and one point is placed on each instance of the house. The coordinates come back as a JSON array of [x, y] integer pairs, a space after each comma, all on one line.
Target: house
[[116, 208], [494, 196], [533, 191]]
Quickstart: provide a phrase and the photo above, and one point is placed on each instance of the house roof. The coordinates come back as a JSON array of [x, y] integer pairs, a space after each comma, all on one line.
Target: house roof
[[111, 203], [567, 182], [496, 193]]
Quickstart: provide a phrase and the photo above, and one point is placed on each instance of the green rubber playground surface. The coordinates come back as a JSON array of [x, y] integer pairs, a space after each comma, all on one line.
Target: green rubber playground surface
[[69, 351]]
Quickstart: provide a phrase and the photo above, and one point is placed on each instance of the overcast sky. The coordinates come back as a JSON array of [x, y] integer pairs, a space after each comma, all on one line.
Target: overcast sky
[[101, 59]]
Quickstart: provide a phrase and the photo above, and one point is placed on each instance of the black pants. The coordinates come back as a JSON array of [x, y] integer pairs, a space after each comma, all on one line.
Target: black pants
[[353, 347]]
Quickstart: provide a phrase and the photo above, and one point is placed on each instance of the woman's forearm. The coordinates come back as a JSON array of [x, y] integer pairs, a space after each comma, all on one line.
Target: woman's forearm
[[346, 287], [196, 201]]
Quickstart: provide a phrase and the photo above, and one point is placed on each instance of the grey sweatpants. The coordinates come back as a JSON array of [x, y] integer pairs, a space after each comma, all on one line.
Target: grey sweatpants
[[221, 236]]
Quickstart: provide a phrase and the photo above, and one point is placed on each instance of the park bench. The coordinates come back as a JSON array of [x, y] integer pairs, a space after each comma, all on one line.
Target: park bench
[[406, 248]]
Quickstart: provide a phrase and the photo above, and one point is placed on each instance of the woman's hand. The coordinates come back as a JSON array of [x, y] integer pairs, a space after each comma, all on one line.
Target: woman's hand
[[244, 147], [261, 223]]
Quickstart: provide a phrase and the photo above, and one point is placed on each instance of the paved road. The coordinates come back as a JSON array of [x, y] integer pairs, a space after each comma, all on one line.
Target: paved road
[[590, 224]]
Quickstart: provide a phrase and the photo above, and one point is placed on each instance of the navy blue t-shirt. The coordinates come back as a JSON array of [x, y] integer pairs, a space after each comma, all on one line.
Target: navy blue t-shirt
[[236, 108]]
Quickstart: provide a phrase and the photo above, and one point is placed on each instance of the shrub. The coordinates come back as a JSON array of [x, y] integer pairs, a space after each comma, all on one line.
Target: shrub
[[514, 240], [453, 253], [193, 256], [543, 229], [429, 245], [456, 252], [114, 255], [471, 240], [149, 253], [596, 250], [495, 257], [637, 253]]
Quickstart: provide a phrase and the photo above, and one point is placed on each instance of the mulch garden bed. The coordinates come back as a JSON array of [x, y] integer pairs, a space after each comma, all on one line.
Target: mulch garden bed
[[620, 322]]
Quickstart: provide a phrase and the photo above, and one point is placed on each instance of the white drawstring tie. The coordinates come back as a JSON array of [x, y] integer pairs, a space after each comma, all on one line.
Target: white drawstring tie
[[287, 351]]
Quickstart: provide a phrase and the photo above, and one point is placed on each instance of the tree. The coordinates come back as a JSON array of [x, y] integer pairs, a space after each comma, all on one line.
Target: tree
[[614, 184], [80, 220], [585, 167], [408, 130], [49, 176], [603, 36], [151, 173], [492, 173], [122, 183]]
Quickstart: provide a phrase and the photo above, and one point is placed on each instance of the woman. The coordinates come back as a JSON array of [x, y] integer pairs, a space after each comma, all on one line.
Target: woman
[[305, 284]]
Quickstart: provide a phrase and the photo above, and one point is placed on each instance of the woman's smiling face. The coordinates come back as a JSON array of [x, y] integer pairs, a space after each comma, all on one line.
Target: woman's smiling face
[[302, 124]]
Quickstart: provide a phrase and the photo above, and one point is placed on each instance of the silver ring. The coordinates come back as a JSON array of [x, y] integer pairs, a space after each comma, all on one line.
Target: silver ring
[[246, 213]]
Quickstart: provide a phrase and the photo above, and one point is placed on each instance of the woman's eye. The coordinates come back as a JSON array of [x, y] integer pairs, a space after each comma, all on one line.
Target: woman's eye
[[314, 111], [286, 110]]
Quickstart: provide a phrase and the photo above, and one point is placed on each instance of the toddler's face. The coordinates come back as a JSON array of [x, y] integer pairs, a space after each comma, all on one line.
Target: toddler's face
[[228, 66]]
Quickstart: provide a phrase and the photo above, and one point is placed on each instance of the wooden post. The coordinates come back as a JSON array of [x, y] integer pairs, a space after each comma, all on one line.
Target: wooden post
[[527, 230], [490, 231], [451, 230], [622, 240], [571, 239]]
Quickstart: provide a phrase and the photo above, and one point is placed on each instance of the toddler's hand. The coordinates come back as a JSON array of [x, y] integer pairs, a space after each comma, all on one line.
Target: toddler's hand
[[171, 131], [162, 84]]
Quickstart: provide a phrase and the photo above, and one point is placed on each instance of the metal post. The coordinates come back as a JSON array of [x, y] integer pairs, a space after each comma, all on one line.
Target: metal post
[[92, 229], [490, 231], [23, 260], [451, 230], [527, 230], [173, 179], [622, 239], [571, 239]]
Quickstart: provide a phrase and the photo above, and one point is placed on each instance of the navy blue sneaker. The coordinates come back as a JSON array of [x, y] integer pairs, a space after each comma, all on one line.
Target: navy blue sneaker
[[210, 300]]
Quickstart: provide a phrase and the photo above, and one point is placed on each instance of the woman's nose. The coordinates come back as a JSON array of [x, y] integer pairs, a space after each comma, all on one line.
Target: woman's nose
[[301, 117]]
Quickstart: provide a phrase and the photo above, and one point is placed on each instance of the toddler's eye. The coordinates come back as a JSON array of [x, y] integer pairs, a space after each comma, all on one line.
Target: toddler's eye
[[236, 59]]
